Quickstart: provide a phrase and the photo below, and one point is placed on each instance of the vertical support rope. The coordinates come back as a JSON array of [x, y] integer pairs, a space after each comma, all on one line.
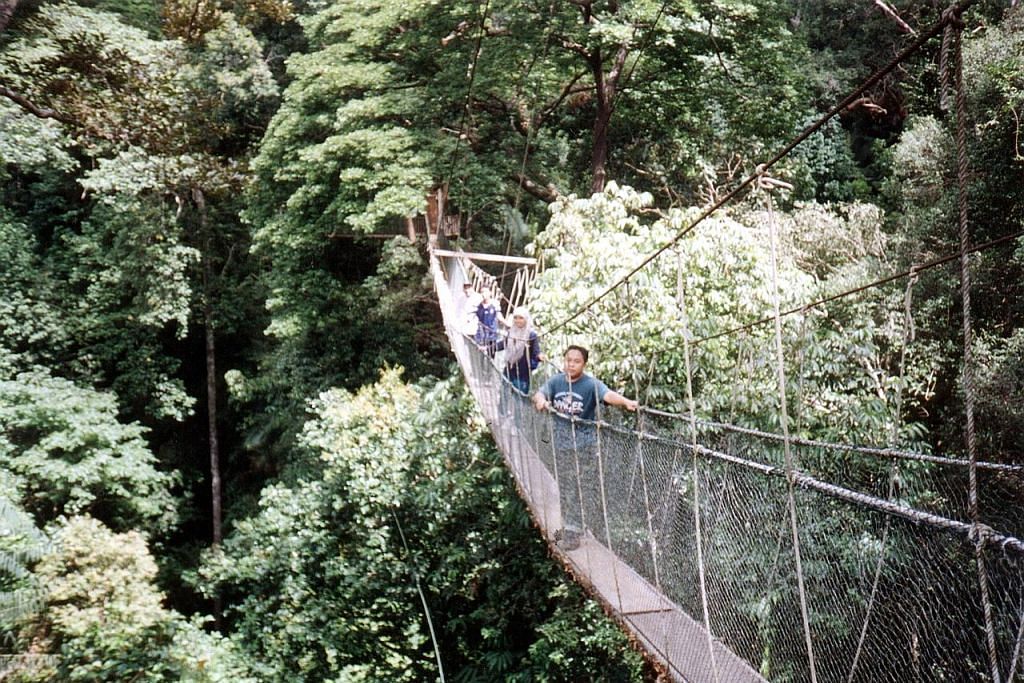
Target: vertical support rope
[[585, 524], [648, 515], [604, 513], [550, 421], [691, 404], [516, 294], [579, 472], [954, 27], [894, 442], [790, 464], [1016, 648]]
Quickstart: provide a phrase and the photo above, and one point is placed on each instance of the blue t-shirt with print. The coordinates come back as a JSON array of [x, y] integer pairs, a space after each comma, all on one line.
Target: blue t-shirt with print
[[574, 399]]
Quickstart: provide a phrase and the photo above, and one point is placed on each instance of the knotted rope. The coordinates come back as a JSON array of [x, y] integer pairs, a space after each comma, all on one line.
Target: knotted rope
[[952, 43]]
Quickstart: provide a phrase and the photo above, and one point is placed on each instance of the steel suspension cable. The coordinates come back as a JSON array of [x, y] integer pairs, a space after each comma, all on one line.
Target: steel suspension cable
[[913, 270], [469, 89], [922, 39]]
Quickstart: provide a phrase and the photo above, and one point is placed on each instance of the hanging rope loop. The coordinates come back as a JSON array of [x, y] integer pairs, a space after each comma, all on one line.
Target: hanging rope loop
[[953, 23], [767, 182], [953, 17]]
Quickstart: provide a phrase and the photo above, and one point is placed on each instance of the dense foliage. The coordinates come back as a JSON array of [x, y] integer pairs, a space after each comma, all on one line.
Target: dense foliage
[[206, 287], [410, 503]]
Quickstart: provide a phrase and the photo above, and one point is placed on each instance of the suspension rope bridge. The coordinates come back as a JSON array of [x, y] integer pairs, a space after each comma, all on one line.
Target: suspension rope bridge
[[860, 541], [734, 554]]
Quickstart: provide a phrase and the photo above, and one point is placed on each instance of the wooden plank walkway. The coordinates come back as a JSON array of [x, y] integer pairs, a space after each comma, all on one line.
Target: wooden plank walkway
[[675, 642]]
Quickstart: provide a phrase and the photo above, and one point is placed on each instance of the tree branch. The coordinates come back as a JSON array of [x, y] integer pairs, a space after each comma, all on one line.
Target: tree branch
[[868, 104], [7, 8], [888, 10], [620, 60], [34, 109], [718, 53], [547, 193], [573, 46], [566, 91], [458, 32]]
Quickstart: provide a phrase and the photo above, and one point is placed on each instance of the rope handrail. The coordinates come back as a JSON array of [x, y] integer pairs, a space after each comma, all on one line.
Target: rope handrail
[[989, 534], [866, 450]]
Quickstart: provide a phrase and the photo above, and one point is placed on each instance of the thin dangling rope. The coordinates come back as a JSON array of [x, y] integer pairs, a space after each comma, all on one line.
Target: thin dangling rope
[[604, 513], [790, 464], [954, 26], [1016, 648], [894, 441], [698, 534], [640, 450], [423, 598]]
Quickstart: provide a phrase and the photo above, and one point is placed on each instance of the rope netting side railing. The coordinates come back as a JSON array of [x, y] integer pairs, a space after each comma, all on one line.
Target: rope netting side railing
[[903, 608]]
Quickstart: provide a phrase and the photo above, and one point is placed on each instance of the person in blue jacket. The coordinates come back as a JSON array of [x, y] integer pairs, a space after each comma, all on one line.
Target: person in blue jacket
[[574, 395], [488, 317], [522, 350]]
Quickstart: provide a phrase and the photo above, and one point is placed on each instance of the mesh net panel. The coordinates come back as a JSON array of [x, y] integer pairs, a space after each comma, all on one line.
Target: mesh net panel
[[892, 568]]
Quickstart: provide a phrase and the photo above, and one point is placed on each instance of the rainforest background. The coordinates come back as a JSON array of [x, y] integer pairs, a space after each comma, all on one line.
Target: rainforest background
[[233, 444]]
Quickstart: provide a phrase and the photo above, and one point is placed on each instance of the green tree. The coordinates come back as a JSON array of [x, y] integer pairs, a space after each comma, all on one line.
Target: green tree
[[104, 619], [924, 226], [380, 110], [320, 584], [68, 454], [843, 361], [156, 247], [22, 544]]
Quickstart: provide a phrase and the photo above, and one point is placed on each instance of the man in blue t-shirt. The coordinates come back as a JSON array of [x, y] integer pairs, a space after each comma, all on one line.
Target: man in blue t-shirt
[[574, 396]]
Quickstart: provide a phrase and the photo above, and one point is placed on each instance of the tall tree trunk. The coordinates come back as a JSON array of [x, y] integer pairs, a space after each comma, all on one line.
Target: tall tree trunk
[[605, 90], [7, 8], [599, 150], [211, 371], [211, 414], [216, 502]]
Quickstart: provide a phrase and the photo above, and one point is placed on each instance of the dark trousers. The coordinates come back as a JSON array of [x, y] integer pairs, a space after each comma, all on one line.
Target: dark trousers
[[579, 489]]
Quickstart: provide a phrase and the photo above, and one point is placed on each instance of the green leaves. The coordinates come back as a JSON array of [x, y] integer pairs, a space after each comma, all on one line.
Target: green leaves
[[322, 586], [68, 454], [103, 616], [841, 359]]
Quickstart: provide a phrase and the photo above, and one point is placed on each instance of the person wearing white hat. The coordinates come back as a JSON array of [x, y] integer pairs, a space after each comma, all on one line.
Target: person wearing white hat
[[522, 350]]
